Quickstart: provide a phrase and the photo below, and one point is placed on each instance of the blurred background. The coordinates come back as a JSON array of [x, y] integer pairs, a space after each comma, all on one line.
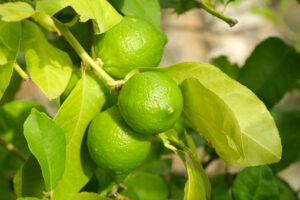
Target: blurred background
[[198, 36]]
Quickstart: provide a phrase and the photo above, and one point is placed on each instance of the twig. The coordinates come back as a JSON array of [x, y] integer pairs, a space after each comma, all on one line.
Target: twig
[[21, 72], [12, 148], [230, 21], [85, 57]]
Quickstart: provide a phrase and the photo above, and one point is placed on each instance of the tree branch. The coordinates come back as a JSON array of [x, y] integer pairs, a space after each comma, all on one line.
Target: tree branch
[[10, 147], [85, 57], [231, 22], [21, 72]]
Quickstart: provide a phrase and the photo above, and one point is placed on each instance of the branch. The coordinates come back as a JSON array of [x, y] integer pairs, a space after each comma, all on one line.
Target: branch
[[85, 57], [12, 148], [21, 72], [231, 22]]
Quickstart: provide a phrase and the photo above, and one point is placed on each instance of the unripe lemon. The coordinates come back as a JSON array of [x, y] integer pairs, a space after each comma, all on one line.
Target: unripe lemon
[[132, 43], [115, 146], [150, 102]]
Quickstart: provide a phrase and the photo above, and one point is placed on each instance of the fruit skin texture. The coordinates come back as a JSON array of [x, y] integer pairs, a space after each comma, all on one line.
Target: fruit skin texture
[[115, 146], [132, 43], [150, 102]]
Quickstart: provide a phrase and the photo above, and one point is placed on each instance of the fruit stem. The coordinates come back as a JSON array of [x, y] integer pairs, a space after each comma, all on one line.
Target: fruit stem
[[85, 57], [21, 72], [10, 147], [231, 22]]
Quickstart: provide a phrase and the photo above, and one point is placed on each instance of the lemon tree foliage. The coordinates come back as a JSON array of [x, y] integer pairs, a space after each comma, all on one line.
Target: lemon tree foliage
[[10, 37], [49, 67], [116, 118], [247, 116]]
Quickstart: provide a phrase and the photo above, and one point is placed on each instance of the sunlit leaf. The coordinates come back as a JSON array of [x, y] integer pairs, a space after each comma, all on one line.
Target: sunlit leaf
[[81, 106], [15, 11], [10, 36], [46, 141], [48, 67], [89, 196], [100, 11], [227, 114], [146, 9], [255, 183]]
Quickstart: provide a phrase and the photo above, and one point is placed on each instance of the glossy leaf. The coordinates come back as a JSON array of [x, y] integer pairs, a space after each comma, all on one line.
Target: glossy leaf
[[48, 67], [145, 186], [227, 114], [15, 11], [81, 106], [145, 9], [255, 183], [12, 118], [29, 182], [100, 11], [10, 36], [271, 70], [197, 186], [287, 118], [46, 141], [222, 62]]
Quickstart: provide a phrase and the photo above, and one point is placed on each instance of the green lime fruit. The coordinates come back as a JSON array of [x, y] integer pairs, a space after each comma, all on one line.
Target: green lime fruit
[[132, 43], [145, 186], [114, 146], [150, 102]]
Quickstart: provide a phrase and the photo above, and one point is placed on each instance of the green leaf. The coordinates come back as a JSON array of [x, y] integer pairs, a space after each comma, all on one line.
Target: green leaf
[[47, 143], [221, 187], [100, 11], [5, 188], [222, 62], [45, 20], [28, 198], [176, 187], [15, 11], [12, 118], [81, 106], [271, 70], [10, 35], [49, 67], [287, 119], [255, 183], [234, 121], [145, 186], [29, 179], [12, 89], [180, 6], [285, 191], [89, 196], [145, 9], [197, 186]]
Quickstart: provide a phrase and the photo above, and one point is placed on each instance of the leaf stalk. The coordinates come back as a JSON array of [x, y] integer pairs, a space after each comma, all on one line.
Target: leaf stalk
[[10, 147]]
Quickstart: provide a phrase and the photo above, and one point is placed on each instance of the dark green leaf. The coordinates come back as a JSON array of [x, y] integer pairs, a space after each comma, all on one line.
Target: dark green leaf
[[271, 70], [6, 189], [47, 143], [146, 9], [255, 183], [220, 187], [12, 118], [29, 182], [15, 11], [285, 191], [222, 62], [49, 67], [160, 166], [12, 89], [287, 119], [81, 106], [10, 36], [28, 198], [180, 6], [100, 11], [176, 187], [235, 118], [145, 186]]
